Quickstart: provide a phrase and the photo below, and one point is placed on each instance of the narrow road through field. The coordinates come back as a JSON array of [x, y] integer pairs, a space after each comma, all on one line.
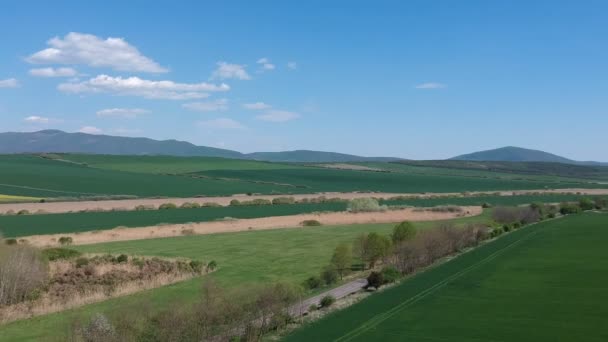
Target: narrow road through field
[[338, 293]]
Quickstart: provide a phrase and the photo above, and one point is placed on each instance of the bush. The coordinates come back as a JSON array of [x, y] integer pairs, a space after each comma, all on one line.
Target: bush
[[551, 215], [190, 205], [212, 265], [311, 223], [375, 280], [313, 282], [586, 204], [327, 301], [506, 228], [166, 206], [10, 242], [486, 205], [65, 240], [390, 274], [53, 254], [82, 262], [196, 266], [99, 329], [122, 258], [569, 208], [600, 203], [365, 205], [284, 200], [187, 231], [329, 275], [235, 202], [23, 212], [403, 231], [143, 207]]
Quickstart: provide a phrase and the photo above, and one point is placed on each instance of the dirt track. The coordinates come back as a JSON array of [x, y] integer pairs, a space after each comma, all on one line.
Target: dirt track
[[65, 207], [292, 221]]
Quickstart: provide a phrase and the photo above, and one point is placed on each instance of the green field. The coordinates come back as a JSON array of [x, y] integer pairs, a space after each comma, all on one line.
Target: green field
[[244, 258], [546, 282], [18, 226], [31, 175], [169, 164], [320, 179]]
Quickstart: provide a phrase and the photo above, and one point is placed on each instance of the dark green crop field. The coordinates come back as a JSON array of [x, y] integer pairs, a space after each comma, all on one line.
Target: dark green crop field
[[16, 226], [81, 176], [24, 225], [546, 282], [308, 180]]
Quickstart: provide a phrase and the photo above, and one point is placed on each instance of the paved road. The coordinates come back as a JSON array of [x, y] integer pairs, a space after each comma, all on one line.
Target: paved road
[[338, 293]]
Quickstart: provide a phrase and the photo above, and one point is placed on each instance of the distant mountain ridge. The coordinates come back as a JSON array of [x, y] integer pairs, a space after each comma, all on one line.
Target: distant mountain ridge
[[518, 154], [49, 141]]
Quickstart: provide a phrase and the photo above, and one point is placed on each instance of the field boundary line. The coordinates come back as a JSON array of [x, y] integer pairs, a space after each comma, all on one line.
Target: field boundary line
[[51, 190], [374, 321]]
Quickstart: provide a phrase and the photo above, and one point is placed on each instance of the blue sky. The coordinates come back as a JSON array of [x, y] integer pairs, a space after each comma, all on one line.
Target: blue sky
[[413, 79]]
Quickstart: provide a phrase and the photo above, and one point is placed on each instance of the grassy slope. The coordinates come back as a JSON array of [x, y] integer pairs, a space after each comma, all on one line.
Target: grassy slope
[[18, 226], [547, 284], [247, 257]]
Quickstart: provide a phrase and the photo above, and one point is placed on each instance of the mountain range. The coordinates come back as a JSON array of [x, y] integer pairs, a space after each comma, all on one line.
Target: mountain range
[[49, 141]]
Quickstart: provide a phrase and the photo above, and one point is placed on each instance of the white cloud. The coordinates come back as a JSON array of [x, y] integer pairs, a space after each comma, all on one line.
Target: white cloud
[[292, 65], [230, 71], [431, 85], [257, 106], [278, 116], [221, 123], [53, 72], [9, 83], [90, 130], [210, 106], [136, 86], [34, 119], [87, 49], [129, 113], [265, 63]]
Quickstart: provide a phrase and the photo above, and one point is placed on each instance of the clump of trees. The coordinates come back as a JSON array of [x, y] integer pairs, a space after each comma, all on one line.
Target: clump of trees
[[219, 315], [358, 205], [371, 248], [310, 223]]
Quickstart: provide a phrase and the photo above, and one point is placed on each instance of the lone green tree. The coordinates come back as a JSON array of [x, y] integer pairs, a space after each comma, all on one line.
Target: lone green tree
[[342, 259], [402, 232], [371, 248]]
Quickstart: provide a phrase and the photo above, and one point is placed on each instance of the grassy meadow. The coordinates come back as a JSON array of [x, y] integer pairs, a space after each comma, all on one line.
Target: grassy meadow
[[244, 258], [546, 282]]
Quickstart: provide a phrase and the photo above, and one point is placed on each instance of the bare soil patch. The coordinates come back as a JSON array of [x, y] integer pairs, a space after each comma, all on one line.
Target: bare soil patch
[[236, 225]]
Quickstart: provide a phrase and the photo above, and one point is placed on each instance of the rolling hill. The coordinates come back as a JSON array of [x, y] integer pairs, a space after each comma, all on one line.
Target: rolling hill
[[518, 154], [56, 141]]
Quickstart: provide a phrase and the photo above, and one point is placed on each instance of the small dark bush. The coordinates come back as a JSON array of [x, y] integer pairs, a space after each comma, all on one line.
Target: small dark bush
[[23, 212], [212, 265], [10, 241], [53, 254], [80, 262], [313, 282], [486, 205], [375, 280], [235, 202], [327, 301], [122, 258], [65, 240], [311, 223]]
